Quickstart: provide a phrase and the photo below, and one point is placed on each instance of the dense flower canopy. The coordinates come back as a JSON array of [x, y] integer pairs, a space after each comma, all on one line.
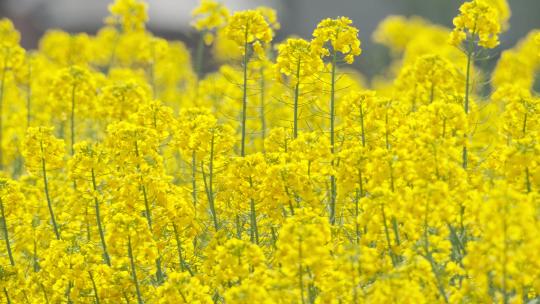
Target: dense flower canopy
[[131, 174]]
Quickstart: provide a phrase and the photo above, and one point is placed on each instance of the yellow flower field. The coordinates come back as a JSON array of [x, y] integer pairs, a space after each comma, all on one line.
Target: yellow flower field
[[130, 174]]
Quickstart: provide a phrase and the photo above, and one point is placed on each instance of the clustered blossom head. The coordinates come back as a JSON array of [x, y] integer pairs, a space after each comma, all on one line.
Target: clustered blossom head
[[297, 59], [340, 35], [131, 15], [249, 28], [8, 33], [210, 15], [477, 20]]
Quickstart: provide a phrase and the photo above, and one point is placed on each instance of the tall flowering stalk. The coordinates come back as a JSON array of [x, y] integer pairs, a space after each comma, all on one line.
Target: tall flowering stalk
[[331, 38], [297, 60], [249, 31], [74, 86], [50, 156], [477, 25], [11, 57], [209, 16], [84, 165]]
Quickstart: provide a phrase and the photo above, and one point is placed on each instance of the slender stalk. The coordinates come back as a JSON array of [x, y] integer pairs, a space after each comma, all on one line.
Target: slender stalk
[[87, 222], [209, 184], [253, 218], [94, 287], [505, 258], [429, 257], [148, 214], [356, 213], [238, 227], [296, 96], [112, 58], [72, 119], [8, 300], [274, 236], [178, 247], [396, 231], [35, 264], [134, 272], [244, 96], [360, 192], [362, 126], [68, 292], [2, 88], [333, 190], [467, 91], [194, 178], [199, 53], [524, 129], [152, 73], [100, 226], [44, 293], [359, 195], [29, 95], [47, 195], [528, 180], [387, 234], [527, 177], [262, 108], [6, 233], [183, 264], [301, 271]]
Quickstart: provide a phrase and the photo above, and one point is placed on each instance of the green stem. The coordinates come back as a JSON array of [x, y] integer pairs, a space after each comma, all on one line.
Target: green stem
[[8, 300], [148, 214], [387, 234], [94, 287], [262, 108], [430, 258], [2, 88], [362, 126], [44, 293], [183, 264], [301, 271], [199, 53], [29, 95], [134, 272], [333, 190], [35, 263], [396, 230], [528, 180], [244, 96], [46, 188], [100, 226], [209, 185], [6, 234], [72, 120], [505, 258], [238, 227], [467, 89], [194, 178], [296, 96], [359, 195], [253, 218], [112, 58]]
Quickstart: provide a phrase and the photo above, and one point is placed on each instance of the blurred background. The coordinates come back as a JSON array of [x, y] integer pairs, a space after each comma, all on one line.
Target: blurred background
[[171, 18]]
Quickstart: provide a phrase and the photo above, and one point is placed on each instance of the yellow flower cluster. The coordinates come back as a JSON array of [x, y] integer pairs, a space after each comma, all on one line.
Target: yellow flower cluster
[[131, 174], [211, 15], [249, 28], [341, 35], [477, 21]]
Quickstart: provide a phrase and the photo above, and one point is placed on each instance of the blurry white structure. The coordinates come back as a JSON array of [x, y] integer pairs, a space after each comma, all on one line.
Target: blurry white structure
[[74, 15]]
